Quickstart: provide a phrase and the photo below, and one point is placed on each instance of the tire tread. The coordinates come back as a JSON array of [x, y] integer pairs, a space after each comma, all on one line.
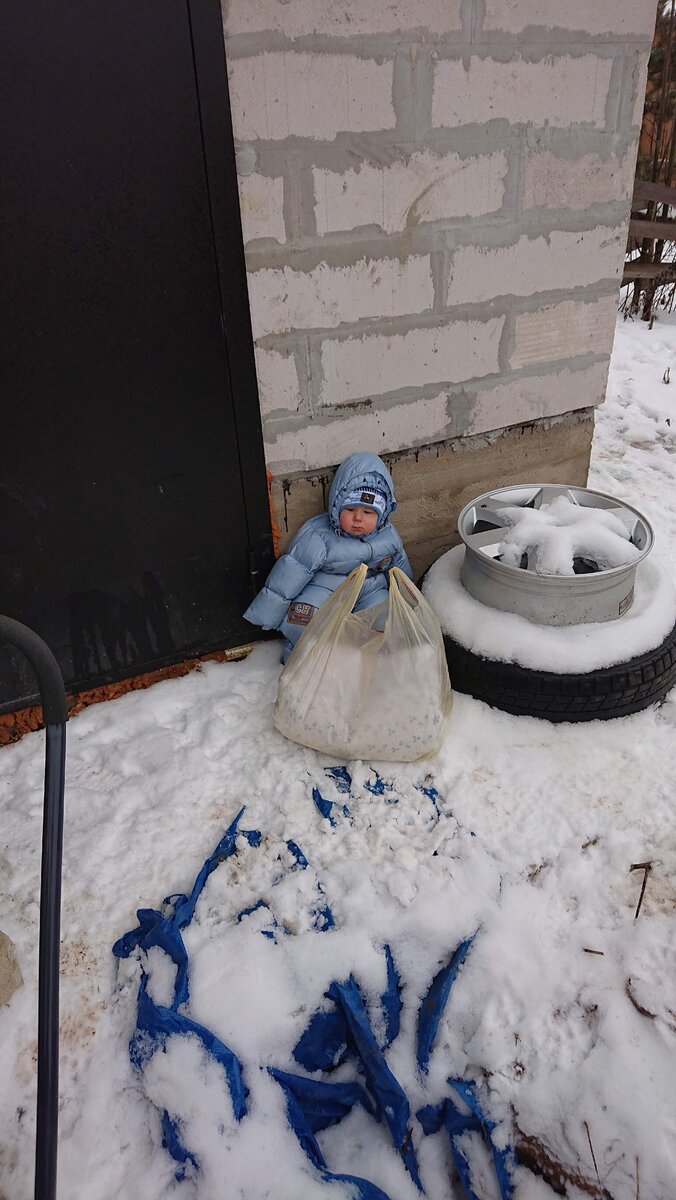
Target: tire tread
[[594, 695]]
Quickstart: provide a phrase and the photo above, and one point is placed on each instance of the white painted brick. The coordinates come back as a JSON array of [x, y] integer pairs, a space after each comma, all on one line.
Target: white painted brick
[[284, 299], [381, 430], [261, 203], [537, 397], [281, 94], [561, 260], [551, 182], [639, 79], [277, 381], [369, 366], [428, 187], [340, 18], [564, 331], [561, 91], [610, 17]]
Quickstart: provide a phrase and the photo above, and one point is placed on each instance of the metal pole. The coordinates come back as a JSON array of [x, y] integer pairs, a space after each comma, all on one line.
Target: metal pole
[[55, 713]]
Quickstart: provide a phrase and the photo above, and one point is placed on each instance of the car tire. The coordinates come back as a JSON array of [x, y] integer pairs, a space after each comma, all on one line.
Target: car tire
[[596, 695]]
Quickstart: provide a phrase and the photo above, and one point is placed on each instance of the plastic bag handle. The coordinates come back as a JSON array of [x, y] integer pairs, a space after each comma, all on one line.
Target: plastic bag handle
[[352, 585], [400, 582]]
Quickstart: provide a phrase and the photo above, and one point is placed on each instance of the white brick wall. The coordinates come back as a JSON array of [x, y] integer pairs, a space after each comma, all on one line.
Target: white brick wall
[[261, 202], [277, 381], [536, 397], [372, 366], [610, 17], [561, 260], [381, 430], [552, 182], [561, 91], [427, 187], [341, 18], [640, 75], [286, 299], [276, 95], [369, 147], [564, 331]]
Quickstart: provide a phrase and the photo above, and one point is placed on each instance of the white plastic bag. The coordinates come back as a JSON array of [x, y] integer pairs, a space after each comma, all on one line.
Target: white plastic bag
[[372, 684]]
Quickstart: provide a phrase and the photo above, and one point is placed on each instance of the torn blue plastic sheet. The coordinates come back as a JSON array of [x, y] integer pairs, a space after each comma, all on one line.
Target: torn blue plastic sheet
[[163, 928], [226, 847], [432, 1007], [171, 1140], [323, 1046], [341, 777], [274, 923], [378, 787], [432, 794], [155, 1024], [503, 1158], [323, 1104], [390, 1098], [447, 1115], [157, 930], [301, 862], [326, 807], [312, 1106], [391, 1000]]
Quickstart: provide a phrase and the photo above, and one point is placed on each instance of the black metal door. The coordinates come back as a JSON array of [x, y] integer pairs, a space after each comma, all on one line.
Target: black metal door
[[132, 483]]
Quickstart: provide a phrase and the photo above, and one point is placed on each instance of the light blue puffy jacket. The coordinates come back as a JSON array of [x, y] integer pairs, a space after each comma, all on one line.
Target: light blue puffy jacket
[[321, 555]]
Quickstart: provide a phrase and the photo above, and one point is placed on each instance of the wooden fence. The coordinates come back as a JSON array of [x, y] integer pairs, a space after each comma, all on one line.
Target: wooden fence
[[644, 234]]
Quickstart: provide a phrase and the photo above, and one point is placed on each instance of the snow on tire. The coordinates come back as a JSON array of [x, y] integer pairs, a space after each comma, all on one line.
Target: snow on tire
[[572, 673]]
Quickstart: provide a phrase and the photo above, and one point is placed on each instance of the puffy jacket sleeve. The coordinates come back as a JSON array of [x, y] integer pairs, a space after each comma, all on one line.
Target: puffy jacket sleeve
[[400, 557], [290, 574]]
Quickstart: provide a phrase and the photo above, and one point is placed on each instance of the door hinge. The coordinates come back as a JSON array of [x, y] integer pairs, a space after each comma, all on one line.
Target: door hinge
[[260, 561]]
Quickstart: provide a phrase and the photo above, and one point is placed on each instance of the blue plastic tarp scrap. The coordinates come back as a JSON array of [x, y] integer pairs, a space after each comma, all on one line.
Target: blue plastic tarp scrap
[[326, 807], [312, 1106], [341, 777], [432, 1007], [171, 1140], [163, 928], [447, 1115], [390, 1001], [155, 1024], [324, 1044], [388, 1094], [332, 1036]]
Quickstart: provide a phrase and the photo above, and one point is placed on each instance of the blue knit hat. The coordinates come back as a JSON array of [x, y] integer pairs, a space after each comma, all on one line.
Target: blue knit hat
[[366, 498]]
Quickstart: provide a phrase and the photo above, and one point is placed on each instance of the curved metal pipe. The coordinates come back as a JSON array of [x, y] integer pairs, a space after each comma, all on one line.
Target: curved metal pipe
[[55, 712]]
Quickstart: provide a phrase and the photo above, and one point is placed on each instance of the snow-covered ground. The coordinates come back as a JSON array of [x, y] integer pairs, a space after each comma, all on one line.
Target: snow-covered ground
[[563, 1013]]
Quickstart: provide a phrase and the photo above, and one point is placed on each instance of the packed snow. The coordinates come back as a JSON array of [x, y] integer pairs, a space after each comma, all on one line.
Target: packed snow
[[519, 832], [553, 536]]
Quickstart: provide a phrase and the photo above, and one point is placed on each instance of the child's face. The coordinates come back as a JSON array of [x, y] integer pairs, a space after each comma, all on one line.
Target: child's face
[[358, 521]]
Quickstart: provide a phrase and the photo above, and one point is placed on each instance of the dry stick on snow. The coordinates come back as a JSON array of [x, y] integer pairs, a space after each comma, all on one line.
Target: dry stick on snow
[[638, 1185], [537, 1158], [588, 951], [592, 1151], [645, 1012], [645, 867]]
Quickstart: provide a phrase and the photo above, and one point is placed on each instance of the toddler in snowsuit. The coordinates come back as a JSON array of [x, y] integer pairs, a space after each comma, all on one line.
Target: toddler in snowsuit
[[356, 529]]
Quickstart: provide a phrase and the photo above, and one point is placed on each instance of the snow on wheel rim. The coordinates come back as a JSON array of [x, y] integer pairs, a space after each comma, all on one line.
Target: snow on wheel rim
[[593, 540]]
